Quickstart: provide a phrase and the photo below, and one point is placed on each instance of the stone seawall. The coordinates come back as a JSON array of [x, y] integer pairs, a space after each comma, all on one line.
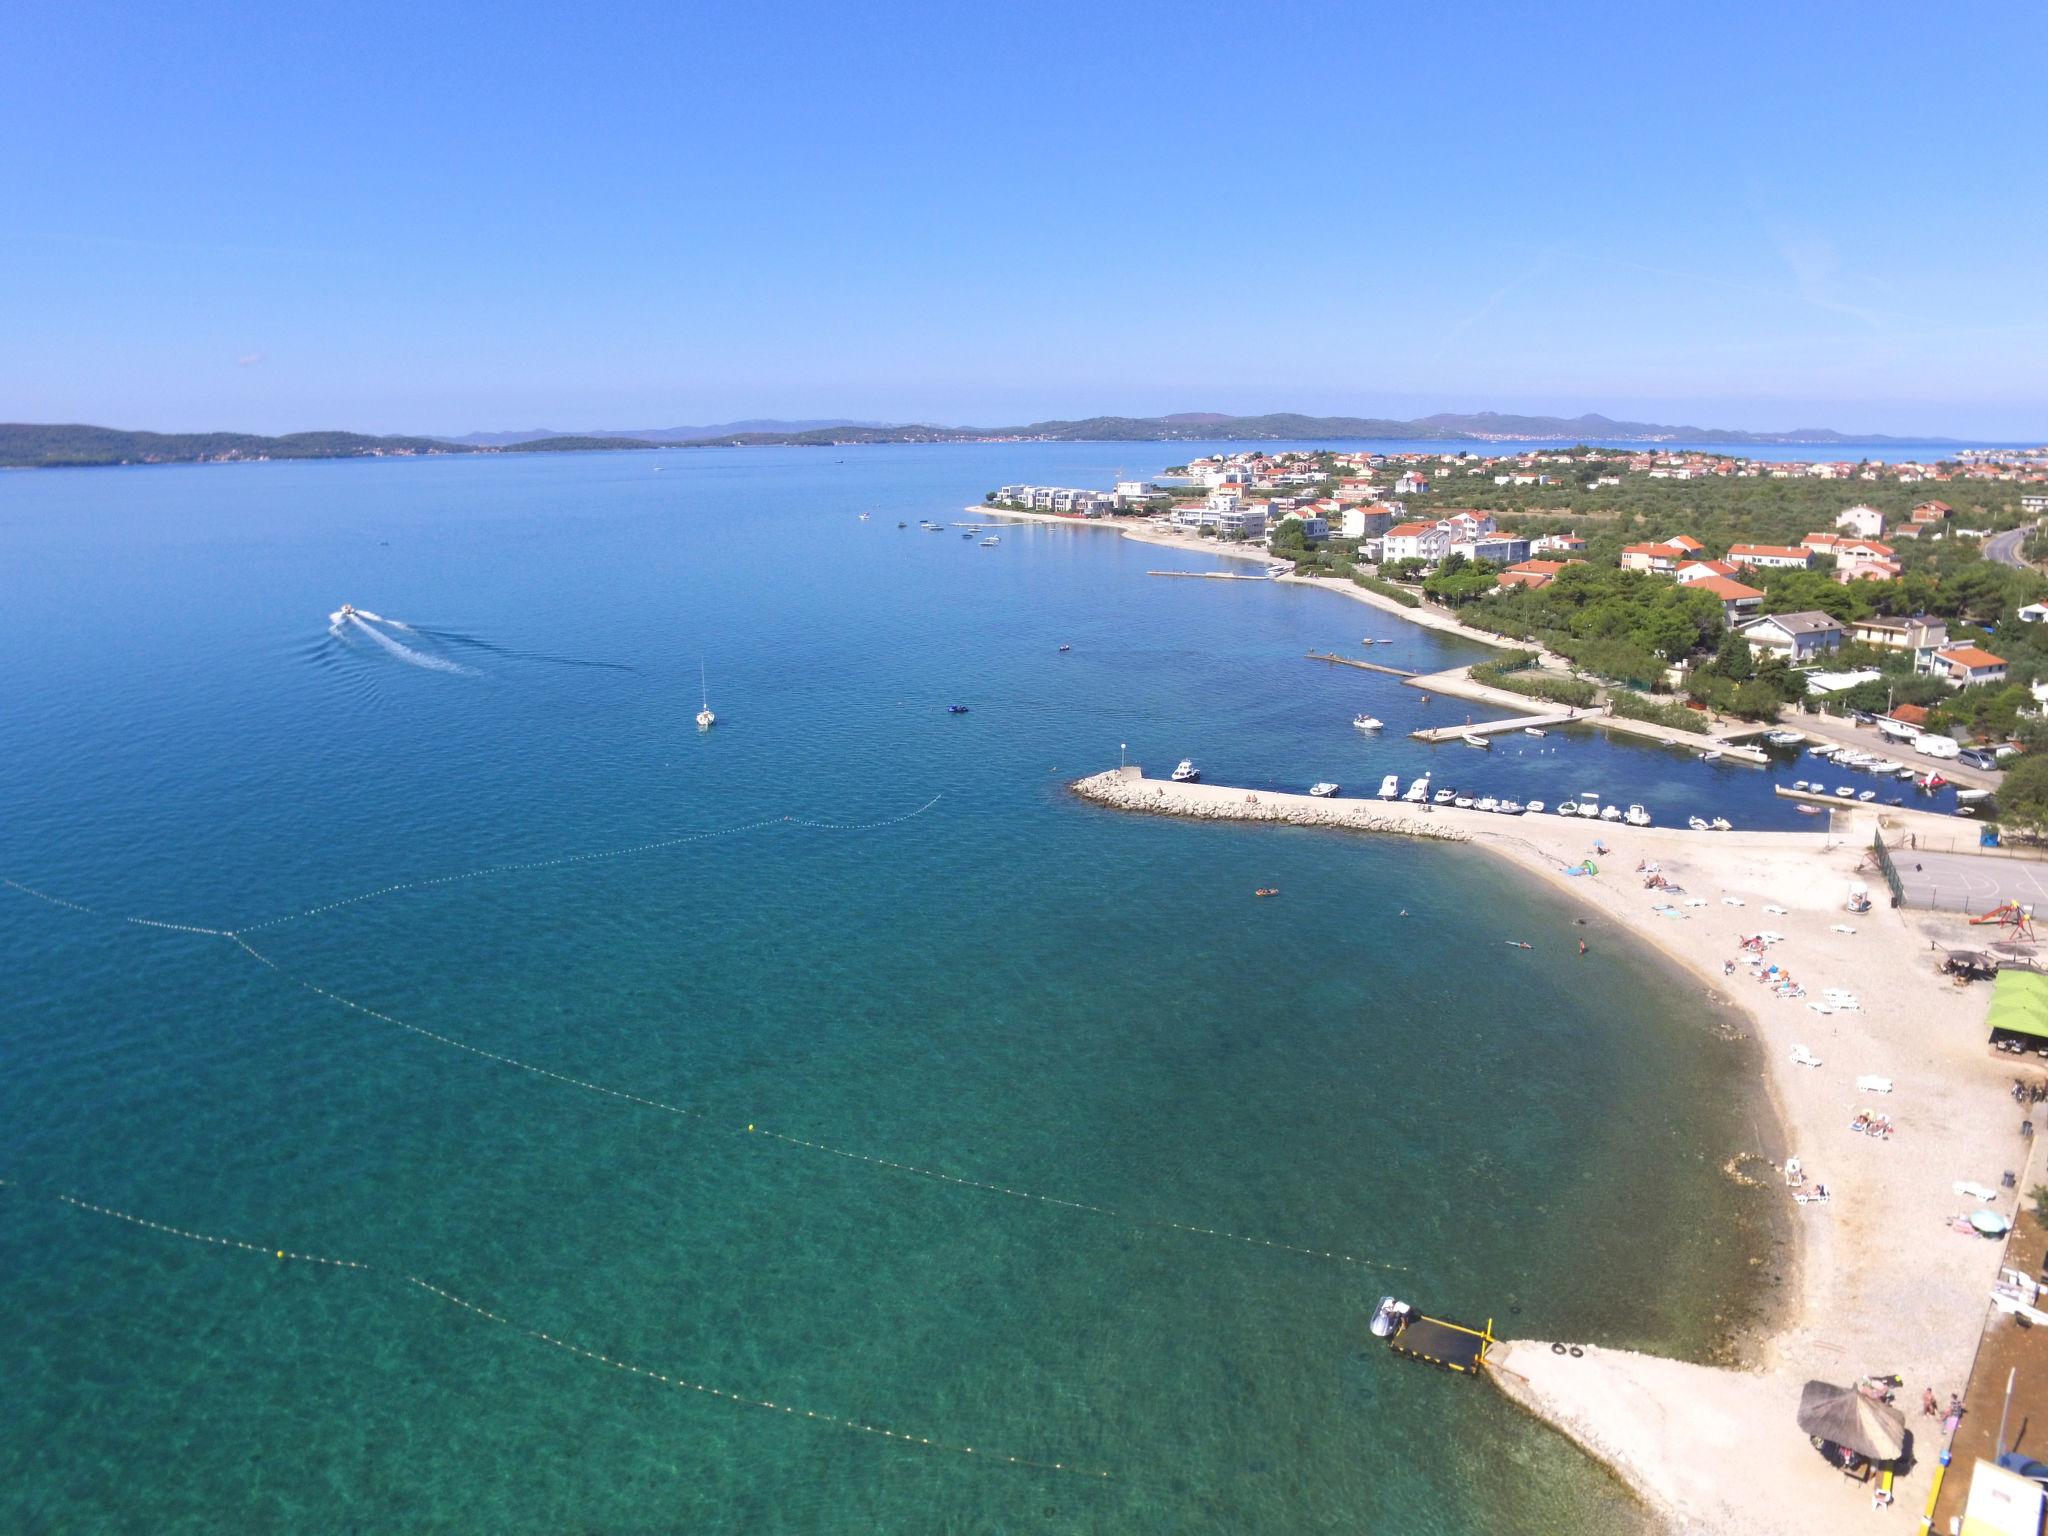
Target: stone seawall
[[1127, 789]]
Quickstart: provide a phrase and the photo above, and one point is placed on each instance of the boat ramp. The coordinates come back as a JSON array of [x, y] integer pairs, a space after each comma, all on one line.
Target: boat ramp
[[1212, 575]]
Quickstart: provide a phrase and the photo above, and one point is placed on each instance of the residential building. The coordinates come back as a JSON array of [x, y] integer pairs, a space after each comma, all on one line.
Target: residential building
[[1314, 526], [1864, 522], [1920, 634], [1417, 541], [1797, 637], [1366, 522], [2034, 613], [1933, 512], [1467, 524], [1500, 548], [1662, 559], [1771, 557], [1560, 543], [2034, 504], [1699, 570], [1412, 484], [1234, 522], [1965, 664], [1533, 573], [1737, 601]]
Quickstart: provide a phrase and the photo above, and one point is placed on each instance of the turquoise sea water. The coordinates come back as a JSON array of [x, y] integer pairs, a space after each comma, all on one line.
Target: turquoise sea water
[[1007, 987]]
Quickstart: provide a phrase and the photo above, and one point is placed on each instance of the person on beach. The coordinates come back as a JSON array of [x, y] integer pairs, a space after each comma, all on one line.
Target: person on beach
[[1929, 1409]]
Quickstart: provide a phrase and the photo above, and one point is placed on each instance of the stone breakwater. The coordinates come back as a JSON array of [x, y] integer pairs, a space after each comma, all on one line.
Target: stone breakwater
[[1127, 789]]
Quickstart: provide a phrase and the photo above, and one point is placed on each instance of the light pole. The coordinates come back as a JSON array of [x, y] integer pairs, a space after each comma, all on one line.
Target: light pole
[[1121, 748]]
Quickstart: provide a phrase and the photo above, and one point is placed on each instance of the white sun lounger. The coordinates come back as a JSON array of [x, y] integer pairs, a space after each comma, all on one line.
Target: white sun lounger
[[1801, 1056], [1870, 1082], [1732, 901], [1974, 1191]]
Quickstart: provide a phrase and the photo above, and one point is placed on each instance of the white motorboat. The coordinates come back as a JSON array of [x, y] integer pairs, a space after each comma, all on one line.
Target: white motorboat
[[1907, 773], [1711, 755], [1389, 1317], [1697, 823], [1534, 730], [705, 719], [1610, 813], [1784, 738], [347, 612], [1799, 784], [1589, 805], [1472, 740], [1722, 824], [1971, 796], [1487, 803], [1390, 786], [1868, 794], [1637, 816], [1418, 792], [1324, 790], [1567, 807], [1366, 722], [1509, 807], [990, 542], [1185, 772], [1845, 792], [1444, 796], [1534, 807], [1463, 802]]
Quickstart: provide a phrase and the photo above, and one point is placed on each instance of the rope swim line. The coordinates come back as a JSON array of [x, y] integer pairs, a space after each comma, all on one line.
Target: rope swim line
[[569, 1346], [237, 937]]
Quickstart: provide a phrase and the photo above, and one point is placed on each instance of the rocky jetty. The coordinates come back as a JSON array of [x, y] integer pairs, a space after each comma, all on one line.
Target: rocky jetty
[[1127, 789]]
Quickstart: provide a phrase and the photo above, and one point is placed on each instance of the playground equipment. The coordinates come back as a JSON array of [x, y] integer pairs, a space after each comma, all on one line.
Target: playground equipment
[[2010, 914]]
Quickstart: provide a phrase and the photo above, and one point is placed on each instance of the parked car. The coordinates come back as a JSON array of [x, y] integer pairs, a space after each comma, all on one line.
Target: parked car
[[1978, 757]]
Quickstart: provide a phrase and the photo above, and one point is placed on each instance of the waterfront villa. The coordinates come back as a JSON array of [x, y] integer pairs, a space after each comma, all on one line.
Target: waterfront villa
[[1797, 637], [1965, 664], [1660, 559], [1232, 521], [1417, 541], [1367, 522], [1499, 548]]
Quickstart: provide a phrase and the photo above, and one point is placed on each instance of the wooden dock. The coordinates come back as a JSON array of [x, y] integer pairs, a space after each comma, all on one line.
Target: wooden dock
[[1212, 575], [1363, 666], [1491, 727]]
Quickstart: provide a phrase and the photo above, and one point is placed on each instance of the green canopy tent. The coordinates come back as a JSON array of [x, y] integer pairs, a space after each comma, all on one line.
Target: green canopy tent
[[2019, 1005]]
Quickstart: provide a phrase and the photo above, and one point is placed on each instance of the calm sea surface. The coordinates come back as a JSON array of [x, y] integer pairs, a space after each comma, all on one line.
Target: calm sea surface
[[909, 947]]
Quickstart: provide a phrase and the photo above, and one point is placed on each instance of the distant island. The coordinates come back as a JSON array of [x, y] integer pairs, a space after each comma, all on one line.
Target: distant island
[[25, 445]]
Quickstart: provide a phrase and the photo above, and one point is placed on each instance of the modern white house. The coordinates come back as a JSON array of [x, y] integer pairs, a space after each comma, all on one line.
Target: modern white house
[[2034, 613], [1864, 522], [1663, 558], [1920, 634], [1417, 541], [1366, 522], [1771, 557], [1795, 636]]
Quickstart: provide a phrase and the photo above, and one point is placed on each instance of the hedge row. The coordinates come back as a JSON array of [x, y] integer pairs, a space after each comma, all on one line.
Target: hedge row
[[1624, 701]]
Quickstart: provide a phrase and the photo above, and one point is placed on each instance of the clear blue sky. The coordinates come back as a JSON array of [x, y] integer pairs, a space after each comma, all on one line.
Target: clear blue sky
[[273, 216]]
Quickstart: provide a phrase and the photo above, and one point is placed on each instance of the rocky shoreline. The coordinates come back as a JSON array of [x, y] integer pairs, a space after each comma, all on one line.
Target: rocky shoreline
[[1127, 789]]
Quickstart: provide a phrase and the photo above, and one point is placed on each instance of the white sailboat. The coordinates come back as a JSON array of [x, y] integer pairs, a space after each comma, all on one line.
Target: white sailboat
[[705, 719]]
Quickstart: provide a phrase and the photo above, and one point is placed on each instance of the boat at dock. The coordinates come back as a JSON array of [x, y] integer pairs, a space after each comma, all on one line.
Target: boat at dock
[[1784, 738], [1324, 790], [1534, 807], [1185, 772], [1610, 813], [1390, 786], [1697, 823], [1444, 796], [1418, 792], [1711, 755], [1589, 805], [1636, 816], [1534, 730], [1722, 824], [1472, 739], [1434, 1341]]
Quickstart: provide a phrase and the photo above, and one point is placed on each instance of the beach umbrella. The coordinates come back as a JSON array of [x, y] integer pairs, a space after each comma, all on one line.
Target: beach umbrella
[[1848, 1417]]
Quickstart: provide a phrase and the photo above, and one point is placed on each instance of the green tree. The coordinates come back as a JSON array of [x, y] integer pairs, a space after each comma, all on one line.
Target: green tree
[[1733, 659], [2023, 800]]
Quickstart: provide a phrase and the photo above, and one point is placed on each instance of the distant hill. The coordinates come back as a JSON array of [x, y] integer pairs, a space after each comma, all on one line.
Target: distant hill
[[656, 434], [27, 445]]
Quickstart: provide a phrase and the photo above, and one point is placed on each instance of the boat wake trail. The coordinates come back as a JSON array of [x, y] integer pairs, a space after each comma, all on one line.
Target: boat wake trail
[[404, 652], [415, 1285], [477, 642]]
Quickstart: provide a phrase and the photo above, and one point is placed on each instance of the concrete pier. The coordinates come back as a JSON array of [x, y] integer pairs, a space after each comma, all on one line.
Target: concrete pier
[[1442, 733], [1363, 666]]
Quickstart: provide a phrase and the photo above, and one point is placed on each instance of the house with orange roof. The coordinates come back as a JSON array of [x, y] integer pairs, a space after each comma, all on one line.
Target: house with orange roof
[[1417, 541], [1933, 512], [1738, 602], [1771, 557], [1533, 573], [1966, 664], [1699, 570], [1661, 558]]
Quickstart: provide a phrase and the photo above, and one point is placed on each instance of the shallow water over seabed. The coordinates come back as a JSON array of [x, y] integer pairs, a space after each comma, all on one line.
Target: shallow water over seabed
[[921, 1098]]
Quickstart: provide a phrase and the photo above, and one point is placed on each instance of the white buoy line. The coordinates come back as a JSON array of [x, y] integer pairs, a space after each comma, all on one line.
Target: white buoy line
[[738, 1399], [731, 1125]]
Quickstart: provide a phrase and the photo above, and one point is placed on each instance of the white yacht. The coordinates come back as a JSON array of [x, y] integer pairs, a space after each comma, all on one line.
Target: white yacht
[[1418, 792], [1186, 772], [705, 719], [1637, 817], [1444, 796], [1324, 790], [1366, 722], [1390, 786]]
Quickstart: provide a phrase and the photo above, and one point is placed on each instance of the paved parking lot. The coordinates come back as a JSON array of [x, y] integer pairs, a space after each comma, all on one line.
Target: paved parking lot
[[1970, 882]]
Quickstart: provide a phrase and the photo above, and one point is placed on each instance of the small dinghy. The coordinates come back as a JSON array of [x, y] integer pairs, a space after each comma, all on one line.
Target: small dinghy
[[1366, 722], [1697, 823], [1534, 730], [1324, 790]]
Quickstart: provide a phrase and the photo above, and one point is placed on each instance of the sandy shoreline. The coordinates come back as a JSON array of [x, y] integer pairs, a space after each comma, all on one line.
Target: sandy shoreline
[[1880, 1283]]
